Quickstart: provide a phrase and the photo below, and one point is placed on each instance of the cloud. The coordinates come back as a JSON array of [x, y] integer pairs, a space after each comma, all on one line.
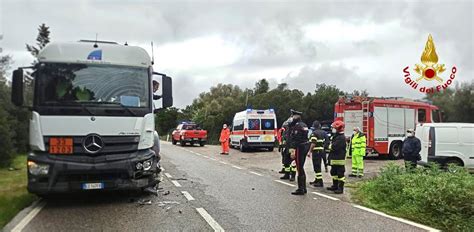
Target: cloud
[[202, 43]]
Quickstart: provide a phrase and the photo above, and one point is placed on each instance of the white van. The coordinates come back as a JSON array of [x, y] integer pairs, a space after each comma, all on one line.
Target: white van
[[447, 143], [254, 129]]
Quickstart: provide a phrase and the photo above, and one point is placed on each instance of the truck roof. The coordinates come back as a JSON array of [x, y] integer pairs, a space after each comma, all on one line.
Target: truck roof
[[104, 53], [443, 124]]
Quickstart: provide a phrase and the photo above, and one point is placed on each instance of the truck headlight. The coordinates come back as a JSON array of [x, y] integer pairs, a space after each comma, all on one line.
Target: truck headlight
[[139, 166], [147, 165], [37, 169]]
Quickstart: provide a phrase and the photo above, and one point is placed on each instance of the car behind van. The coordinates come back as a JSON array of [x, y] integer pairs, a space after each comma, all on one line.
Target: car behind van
[[447, 143]]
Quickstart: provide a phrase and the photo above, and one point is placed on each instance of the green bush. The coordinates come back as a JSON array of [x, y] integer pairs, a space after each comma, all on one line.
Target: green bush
[[441, 199]]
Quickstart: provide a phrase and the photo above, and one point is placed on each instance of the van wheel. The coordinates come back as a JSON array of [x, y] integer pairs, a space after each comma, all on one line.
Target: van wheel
[[242, 148], [173, 141], [395, 150], [456, 162]]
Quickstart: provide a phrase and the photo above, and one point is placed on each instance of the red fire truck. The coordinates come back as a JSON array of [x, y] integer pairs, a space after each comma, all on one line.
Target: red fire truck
[[383, 120]]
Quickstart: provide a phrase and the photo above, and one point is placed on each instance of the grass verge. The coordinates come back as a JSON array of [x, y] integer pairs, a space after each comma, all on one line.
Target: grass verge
[[13, 194], [440, 199]]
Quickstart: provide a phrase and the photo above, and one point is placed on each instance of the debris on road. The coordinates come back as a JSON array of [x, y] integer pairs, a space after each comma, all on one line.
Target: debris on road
[[144, 202], [151, 190]]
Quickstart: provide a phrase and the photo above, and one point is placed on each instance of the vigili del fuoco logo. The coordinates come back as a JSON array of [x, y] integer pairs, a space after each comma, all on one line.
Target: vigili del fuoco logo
[[429, 71]]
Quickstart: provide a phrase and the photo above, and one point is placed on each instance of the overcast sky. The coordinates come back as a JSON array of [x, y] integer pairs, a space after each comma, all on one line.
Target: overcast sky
[[352, 44]]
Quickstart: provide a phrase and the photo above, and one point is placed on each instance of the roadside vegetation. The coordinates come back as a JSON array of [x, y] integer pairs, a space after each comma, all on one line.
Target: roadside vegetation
[[431, 196], [13, 194]]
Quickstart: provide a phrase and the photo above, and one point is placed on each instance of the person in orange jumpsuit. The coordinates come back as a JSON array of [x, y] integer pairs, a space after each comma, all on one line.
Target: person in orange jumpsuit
[[224, 139]]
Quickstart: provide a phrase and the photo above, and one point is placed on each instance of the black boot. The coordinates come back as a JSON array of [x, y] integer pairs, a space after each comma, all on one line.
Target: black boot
[[340, 188], [286, 176], [334, 185], [318, 183], [313, 182], [292, 176], [282, 171], [301, 186]]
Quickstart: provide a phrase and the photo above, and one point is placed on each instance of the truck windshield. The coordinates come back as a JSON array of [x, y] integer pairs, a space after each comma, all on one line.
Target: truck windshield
[[104, 86]]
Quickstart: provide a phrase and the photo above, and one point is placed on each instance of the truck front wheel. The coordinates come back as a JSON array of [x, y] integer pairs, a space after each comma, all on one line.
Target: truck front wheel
[[396, 150], [202, 144], [173, 141]]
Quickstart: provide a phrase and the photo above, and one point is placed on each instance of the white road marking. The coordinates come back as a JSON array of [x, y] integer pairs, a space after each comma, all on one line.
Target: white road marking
[[236, 167], [326, 196], [396, 218], [256, 173], [188, 196], [314, 198], [209, 219], [282, 182], [176, 183], [162, 169], [168, 175], [213, 159], [207, 157], [222, 162], [22, 224]]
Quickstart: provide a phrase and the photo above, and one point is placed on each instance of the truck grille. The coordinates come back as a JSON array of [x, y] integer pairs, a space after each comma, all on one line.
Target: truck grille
[[112, 144]]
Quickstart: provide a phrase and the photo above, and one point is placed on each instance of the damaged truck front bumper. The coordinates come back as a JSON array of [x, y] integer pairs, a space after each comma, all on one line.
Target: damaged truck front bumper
[[71, 173]]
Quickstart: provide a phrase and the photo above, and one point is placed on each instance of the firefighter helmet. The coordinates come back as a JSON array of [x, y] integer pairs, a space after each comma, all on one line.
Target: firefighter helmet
[[338, 125]]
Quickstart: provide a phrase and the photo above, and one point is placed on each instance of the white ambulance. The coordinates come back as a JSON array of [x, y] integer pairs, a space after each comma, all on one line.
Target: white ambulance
[[254, 129]]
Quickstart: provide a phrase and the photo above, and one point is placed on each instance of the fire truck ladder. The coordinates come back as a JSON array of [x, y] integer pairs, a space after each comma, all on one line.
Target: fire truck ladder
[[365, 118]]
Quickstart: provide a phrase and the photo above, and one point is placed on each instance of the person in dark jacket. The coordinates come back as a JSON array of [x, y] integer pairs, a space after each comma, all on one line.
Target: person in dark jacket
[[337, 157], [319, 141], [298, 143], [411, 150]]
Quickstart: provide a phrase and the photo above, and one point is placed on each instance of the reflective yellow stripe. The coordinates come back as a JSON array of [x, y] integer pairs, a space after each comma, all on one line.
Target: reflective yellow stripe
[[338, 162]]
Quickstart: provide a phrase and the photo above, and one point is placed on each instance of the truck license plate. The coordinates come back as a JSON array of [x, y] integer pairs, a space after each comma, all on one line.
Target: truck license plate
[[88, 186]]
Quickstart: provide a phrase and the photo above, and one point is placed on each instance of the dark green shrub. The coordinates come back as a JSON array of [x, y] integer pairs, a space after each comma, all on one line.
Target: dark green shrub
[[441, 199]]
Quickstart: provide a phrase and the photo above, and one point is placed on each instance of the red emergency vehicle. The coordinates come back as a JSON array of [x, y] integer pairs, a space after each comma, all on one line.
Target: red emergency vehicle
[[383, 120]]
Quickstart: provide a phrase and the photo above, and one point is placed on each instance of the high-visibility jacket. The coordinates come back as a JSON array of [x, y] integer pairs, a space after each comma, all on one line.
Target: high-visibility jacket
[[358, 144], [225, 134]]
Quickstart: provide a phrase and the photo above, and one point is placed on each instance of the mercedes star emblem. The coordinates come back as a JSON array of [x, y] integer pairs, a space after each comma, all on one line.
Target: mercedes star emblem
[[93, 143]]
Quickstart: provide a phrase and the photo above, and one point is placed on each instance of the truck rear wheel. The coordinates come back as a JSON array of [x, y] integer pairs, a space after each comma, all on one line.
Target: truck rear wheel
[[270, 148], [396, 150], [202, 144], [173, 141]]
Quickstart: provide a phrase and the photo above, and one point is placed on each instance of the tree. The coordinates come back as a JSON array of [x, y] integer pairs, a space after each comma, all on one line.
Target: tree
[[262, 86], [41, 40], [6, 119], [455, 103]]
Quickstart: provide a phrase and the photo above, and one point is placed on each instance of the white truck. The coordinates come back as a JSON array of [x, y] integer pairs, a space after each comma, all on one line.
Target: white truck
[[92, 124]]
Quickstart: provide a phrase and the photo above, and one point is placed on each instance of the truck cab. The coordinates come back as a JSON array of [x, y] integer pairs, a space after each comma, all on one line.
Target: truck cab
[[92, 121]]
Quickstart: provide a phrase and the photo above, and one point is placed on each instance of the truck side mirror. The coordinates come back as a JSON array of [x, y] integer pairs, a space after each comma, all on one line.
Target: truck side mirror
[[166, 89], [17, 87], [167, 92]]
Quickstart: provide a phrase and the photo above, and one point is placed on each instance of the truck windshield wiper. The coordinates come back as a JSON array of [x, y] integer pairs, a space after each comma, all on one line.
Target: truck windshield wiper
[[71, 103], [111, 103]]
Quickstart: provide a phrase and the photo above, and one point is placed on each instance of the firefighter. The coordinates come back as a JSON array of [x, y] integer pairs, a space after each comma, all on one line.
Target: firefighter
[[298, 141], [358, 145], [411, 150], [319, 140], [337, 157], [224, 139], [288, 163]]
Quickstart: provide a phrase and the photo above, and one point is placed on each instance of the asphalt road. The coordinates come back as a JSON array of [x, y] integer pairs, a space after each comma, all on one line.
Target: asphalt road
[[239, 192]]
